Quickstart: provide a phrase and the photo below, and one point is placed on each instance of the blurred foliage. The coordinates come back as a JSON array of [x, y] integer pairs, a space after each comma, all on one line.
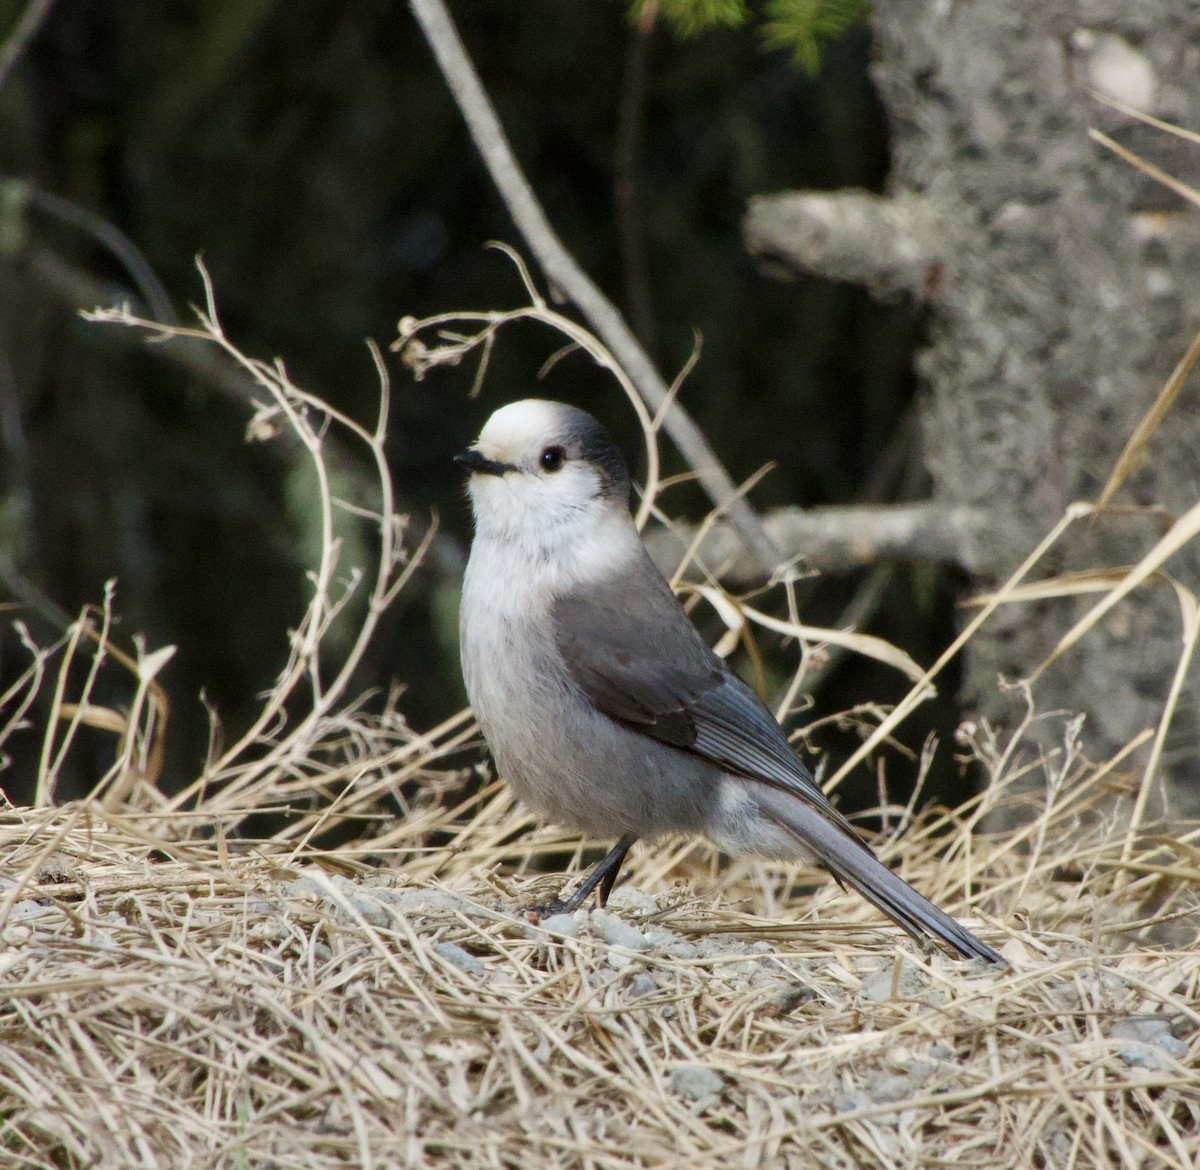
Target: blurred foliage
[[800, 26], [803, 26], [311, 152], [688, 17]]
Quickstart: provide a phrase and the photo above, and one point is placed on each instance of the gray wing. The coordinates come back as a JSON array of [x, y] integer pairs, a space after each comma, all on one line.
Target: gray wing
[[634, 653], [632, 650]]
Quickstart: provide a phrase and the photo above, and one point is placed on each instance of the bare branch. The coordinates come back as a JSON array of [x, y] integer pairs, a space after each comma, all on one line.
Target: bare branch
[[885, 244], [108, 236], [22, 33], [562, 270], [625, 175], [833, 539]]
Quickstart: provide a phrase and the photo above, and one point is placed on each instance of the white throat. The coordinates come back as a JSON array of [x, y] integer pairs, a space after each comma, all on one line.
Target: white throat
[[541, 553]]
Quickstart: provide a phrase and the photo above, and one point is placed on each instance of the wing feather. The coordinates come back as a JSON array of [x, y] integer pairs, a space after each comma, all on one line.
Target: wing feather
[[642, 662]]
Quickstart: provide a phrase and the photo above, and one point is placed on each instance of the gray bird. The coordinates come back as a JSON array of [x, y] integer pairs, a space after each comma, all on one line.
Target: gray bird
[[603, 706]]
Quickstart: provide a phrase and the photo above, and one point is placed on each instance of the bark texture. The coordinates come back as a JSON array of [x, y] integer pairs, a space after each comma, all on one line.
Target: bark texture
[[1060, 288]]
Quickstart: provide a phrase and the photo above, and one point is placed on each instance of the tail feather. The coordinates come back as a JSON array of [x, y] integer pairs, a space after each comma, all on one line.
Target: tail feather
[[856, 866]]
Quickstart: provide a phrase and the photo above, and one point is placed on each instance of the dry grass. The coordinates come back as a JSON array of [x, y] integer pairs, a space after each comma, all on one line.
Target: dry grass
[[178, 994], [242, 1004]]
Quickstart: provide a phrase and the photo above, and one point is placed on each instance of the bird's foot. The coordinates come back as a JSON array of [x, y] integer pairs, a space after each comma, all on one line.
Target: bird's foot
[[535, 914], [600, 882]]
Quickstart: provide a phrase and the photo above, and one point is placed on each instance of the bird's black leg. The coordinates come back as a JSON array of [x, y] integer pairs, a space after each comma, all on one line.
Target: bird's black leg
[[609, 869], [602, 879]]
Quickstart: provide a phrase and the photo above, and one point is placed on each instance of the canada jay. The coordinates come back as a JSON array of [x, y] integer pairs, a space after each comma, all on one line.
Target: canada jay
[[602, 704]]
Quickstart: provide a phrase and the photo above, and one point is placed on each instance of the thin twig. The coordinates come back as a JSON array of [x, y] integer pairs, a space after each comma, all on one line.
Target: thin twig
[[862, 608], [113, 240], [1183, 190], [452, 346], [625, 172], [923, 689], [22, 33], [562, 270]]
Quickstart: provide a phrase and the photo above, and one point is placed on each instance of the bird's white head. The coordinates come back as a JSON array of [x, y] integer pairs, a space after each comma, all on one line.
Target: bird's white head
[[546, 476]]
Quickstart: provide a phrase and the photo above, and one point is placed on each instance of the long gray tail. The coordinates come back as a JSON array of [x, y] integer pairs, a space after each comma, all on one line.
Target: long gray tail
[[852, 863]]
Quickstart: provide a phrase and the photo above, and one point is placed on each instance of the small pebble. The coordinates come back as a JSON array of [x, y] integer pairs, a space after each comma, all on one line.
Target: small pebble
[[889, 1088], [694, 1082], [682, 950], [370, 908], [565, 925], [661, 938], [787, 997], [27, 908], [414, 900], [642, 984], [618, 933], [1147, 1042], [457, 957], [743, 968], [347, 893], [631, 899], [303, 887], [848, 1102]]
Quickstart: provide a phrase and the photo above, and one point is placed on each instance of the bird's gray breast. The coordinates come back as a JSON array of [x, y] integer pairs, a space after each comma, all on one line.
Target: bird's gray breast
[[569, 761]]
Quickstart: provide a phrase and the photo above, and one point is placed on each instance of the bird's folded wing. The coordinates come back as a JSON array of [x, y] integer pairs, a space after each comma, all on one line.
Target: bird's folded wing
[[643, 663]]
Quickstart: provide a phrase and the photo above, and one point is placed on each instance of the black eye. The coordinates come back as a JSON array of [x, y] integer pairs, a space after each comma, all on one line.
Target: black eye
[[552, 458]]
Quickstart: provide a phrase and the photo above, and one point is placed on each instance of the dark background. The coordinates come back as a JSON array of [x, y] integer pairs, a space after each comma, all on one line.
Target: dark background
[[312, 154]]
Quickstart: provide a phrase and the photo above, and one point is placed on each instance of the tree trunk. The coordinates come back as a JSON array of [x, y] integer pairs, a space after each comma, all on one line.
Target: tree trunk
[[1059, 288]]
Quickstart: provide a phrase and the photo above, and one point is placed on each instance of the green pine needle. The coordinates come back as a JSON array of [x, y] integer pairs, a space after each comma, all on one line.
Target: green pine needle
[[803, 26], [688, 17]]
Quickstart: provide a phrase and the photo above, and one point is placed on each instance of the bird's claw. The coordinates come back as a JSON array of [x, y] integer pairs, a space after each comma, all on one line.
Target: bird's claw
[[535, 914]]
